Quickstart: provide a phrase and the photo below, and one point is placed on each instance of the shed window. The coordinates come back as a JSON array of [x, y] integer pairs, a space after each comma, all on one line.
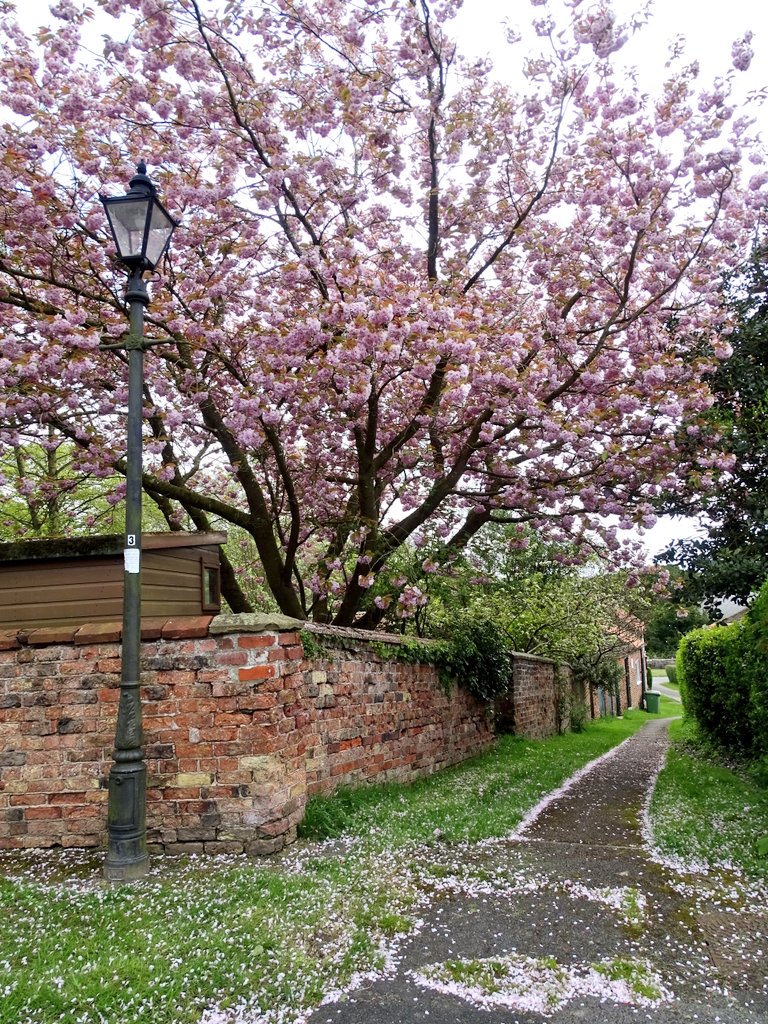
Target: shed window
[[210, 583]]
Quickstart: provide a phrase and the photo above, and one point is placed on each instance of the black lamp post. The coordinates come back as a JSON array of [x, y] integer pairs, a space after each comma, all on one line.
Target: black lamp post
[[142, 229]]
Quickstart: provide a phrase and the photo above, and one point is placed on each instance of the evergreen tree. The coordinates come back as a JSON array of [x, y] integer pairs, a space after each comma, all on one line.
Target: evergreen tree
[[731, 561]]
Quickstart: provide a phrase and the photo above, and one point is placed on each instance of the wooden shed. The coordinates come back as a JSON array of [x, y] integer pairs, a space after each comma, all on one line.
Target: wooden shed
[[75, 580]]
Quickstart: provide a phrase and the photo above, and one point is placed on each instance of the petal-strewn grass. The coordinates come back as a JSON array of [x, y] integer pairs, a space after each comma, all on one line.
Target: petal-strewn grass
[[193, 934], [230, 940], [707, 812]]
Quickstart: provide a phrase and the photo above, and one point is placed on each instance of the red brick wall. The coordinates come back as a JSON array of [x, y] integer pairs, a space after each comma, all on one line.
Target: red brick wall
[[385, 720], [630, 689], [535, 704], [239, 728]]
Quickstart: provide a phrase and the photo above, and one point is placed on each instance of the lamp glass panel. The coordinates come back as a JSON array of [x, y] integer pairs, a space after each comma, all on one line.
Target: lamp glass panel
[[128, 218], [161, 227]]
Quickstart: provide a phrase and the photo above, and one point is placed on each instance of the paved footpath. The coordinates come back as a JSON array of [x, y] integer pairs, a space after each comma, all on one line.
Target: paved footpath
[[666, 690], [576, 887]]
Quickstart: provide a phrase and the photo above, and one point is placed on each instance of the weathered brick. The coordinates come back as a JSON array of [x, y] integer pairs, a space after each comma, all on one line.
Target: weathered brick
[[51, 635], [9, 640], [185, 780], [252, 642], [152, 628], [290, 639], [256, 672], [98, 633], [12, 757]]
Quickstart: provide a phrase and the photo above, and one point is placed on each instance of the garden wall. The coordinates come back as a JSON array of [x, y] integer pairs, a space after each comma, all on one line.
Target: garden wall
[[239, 726], [536, 703]]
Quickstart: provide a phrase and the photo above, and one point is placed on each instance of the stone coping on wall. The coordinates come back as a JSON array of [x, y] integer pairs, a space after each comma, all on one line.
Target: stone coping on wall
[[249, 622], [194, 627], [190, 627]]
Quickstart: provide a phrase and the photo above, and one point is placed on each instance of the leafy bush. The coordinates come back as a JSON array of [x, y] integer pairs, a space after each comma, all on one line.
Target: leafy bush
[[716, 690], [672, 674], [477, 655], [474, 652], [723, 675], [756, 633], [598, 671]]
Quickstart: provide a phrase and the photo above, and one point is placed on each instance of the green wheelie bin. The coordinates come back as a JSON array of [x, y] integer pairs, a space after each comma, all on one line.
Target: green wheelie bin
[[651, 702]]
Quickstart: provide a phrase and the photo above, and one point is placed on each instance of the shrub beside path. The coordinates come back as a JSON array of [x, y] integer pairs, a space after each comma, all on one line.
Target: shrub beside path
[[574, 918]]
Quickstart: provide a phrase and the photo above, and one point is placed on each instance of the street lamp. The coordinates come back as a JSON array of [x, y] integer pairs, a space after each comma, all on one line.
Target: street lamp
[[142, 229]]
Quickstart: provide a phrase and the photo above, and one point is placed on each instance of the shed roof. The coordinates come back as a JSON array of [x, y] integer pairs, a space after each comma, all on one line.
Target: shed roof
[[49, 549]]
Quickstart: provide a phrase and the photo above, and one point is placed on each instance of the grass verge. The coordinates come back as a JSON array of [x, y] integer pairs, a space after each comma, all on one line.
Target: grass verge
[[708, 812]]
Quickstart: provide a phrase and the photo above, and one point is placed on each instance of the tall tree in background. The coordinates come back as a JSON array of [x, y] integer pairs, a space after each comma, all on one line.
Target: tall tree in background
[[41, 494], [730, 560], [405, 294]]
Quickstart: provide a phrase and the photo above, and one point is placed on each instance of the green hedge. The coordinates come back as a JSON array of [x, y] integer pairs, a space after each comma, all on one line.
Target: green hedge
[[757, 633], [475, 653], [723, 676]]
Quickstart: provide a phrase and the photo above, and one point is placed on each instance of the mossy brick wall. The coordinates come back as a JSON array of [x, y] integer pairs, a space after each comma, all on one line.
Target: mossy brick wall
[[239, 728]]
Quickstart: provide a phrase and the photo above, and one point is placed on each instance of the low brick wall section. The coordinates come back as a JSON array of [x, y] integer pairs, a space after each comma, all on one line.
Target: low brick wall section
[[239, 728], [385, 720], [536, 704]]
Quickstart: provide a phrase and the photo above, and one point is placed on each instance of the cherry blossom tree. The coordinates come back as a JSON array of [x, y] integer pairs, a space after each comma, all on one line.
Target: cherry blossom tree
[[405, 294]]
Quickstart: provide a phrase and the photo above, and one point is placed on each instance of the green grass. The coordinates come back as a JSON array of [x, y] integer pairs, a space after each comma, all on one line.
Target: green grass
[[707, 811], [198, 933], [661, 675], [637, 975], [544, 985]]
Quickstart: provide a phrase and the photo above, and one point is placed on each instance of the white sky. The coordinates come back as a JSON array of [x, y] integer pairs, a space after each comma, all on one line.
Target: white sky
[[667, 529]]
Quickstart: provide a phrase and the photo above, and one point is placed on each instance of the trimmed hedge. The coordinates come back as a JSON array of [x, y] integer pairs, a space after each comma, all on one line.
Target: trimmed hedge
[[723, 676]]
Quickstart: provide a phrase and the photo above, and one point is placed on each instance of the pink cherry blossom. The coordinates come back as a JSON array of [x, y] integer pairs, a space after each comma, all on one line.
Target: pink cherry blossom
[[404, 296]]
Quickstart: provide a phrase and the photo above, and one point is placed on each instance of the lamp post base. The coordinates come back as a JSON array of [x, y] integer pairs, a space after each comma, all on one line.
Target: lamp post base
[[127, 856]]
